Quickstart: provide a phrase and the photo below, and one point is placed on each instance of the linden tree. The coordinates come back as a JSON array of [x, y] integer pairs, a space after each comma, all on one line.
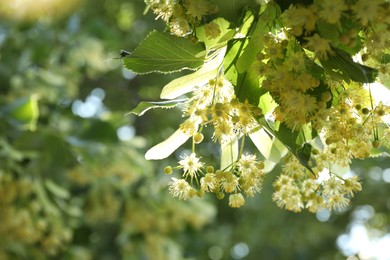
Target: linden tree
[[305, 81]]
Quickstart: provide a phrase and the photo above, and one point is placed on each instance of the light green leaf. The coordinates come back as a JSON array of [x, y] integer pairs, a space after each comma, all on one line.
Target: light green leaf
[[187, 83], [229, 61], [246, 24], [248, 87], [57, 190], [44, 200], [145, 106], [167, 147], [162, 52], [267, 103], [248, 56], [229, 154], [225, 34], [268, 14], [22, 113]]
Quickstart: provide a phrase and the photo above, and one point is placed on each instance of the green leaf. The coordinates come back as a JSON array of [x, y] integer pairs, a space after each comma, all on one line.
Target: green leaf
[[265, 22], [267, 103], [287, 137], [23, 113], [229, 154], [50, 152], [145, 106], [234, 47], [304, 154], [315, 69], [342, 65], [329, 31], [225, 35], [164, 53], [56, 189], [234, 10], [250, 52], [247, 22], [186, 84], [248, 87], [349, 25], [44, 199], [8, 150]]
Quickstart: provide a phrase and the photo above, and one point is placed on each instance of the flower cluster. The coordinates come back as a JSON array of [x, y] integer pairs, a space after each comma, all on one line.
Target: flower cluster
[[287, 78], [215, 104], [182, 16], [243, 176], [351, 128], [373, 15], [296, 189]]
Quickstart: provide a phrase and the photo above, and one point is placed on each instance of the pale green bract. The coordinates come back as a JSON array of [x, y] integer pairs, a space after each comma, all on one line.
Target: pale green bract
[[167, 147], [186, 84], [229, 154]]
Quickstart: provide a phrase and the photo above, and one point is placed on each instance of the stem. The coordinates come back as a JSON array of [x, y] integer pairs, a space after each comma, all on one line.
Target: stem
[[193, 145], [375, 129], [242, 146]]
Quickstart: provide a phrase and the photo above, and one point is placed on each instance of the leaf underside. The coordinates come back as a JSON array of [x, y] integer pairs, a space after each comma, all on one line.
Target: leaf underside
[[145, 106], [164, 53]]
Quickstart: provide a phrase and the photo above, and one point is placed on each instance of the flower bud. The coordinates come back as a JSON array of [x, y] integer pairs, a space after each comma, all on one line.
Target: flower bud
[[198, 138], [168, 170]]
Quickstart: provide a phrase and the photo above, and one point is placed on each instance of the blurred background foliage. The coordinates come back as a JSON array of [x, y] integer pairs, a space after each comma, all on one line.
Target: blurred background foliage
[[73, 180]]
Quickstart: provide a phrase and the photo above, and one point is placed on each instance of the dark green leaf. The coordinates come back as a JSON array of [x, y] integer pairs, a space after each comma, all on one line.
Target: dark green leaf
[[341, 65], [304, 153], [328, 31], [107, 131]]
